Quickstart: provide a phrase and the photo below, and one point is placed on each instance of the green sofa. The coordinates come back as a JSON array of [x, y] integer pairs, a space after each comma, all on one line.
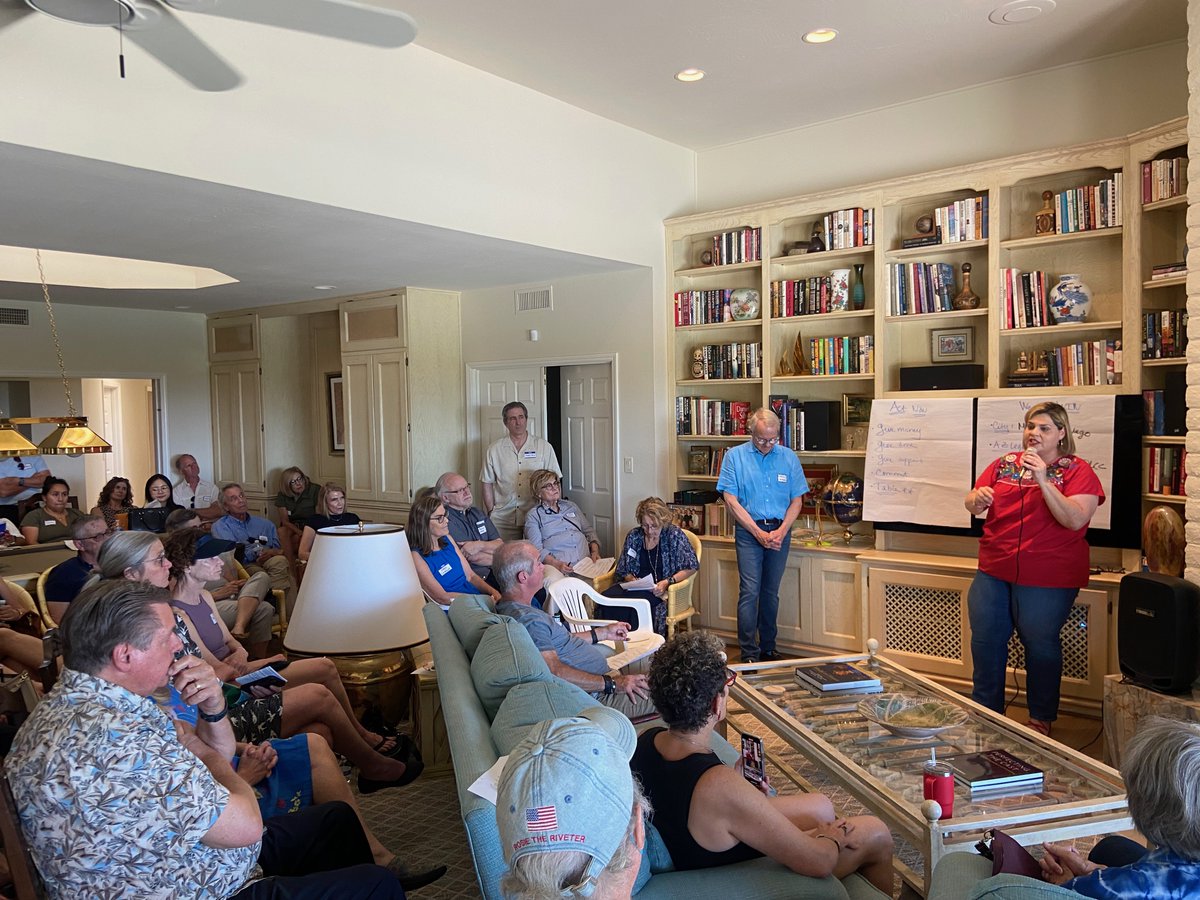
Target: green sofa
[[968, 876], [494, 686]]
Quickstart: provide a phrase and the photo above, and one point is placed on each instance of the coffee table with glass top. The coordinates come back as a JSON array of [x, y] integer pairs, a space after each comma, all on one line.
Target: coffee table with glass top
[[1079, 796]]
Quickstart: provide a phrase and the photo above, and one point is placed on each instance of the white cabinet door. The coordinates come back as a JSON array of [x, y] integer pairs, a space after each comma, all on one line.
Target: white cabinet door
[[236, 393], [836, 611], [376, 397], [358, 395]]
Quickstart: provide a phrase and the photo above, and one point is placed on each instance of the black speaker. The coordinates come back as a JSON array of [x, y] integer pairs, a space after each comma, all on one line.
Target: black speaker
[[822, 425], [1156, 631], [948, 377], [1174, 403]]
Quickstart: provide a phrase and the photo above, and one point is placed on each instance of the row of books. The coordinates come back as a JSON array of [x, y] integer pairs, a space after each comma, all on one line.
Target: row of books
[[994, 772], [847, 228], [1165, 470], [718, 520], [1164, 178], [704, 416], [1089, 207], [963, 220], [1167, 270], [1155, 422], [809, 296], [918, 287], [739, 245], [1164, 333], [843, 355], [705, 460], [1085, 363], [1024, 299], [703, 307], [732, 360], [794, 416]]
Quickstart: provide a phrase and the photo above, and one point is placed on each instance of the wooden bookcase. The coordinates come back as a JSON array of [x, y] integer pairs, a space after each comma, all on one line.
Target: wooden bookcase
[[1115, 262]]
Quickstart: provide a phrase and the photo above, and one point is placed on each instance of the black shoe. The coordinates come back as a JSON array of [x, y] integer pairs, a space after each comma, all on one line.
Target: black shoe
[[370, 785], [412, 881], [772, 655], [405, 750], [749, 659]]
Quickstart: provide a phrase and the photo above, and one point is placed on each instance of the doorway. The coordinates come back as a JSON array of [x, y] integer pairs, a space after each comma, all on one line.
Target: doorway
[[123, 411], [571, 403]]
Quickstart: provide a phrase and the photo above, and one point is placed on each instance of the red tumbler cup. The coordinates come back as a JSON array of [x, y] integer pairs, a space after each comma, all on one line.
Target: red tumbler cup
[[939, 786]]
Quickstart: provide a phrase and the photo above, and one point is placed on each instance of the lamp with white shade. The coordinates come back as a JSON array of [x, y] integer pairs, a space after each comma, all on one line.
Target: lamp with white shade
[[360, 605]]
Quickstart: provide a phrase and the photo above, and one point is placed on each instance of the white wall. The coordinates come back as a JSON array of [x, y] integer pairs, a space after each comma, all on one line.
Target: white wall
[[1054, 108], [119, 343], [596, 314]]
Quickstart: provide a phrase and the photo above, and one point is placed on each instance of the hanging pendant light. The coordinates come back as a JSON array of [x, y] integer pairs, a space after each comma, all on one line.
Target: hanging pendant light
[[72, 436]]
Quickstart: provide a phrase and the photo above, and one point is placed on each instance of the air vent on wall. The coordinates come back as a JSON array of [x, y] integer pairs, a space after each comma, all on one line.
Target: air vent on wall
[[529, 299], [14, 315]]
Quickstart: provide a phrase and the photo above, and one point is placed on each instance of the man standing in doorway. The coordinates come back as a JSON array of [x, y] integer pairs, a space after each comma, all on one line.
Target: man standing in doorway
[[507, 466], [763, 485]]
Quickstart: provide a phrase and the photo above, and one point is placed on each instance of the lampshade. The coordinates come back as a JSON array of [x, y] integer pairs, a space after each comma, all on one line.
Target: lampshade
[[360, 594], [72, 437], [13, 443]]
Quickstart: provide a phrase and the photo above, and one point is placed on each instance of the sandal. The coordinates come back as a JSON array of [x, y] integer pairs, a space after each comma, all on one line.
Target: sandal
[[1041, 727], [378, 748]]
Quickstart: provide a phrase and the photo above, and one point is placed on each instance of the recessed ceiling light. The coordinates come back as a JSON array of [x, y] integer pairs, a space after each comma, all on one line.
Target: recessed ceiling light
[[324, 287], [1017, 12], [689, 74], [820, 36]]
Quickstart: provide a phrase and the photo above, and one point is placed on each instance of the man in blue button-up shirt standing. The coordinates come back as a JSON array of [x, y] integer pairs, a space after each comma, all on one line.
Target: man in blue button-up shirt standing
[[763, 485]]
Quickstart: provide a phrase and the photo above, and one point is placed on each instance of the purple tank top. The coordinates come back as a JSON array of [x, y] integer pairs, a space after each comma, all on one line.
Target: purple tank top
[[205, 622]]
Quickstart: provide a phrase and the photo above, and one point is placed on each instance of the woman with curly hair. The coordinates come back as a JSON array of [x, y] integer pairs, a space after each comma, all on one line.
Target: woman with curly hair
[[116, 497], [707, 813]]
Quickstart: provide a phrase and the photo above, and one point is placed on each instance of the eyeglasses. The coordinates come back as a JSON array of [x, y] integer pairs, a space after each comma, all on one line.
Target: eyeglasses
[[765, 442], [156, 560], [730, 677], [461, 490], [299, 480], [442, 518], [552, 484]]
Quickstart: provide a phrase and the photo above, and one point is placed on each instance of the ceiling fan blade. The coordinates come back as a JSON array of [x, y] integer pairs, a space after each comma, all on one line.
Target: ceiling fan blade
[[175, 45], [343, 19]]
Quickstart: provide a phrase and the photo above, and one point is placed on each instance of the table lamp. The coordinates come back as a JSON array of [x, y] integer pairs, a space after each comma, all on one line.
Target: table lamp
[[360, 605]]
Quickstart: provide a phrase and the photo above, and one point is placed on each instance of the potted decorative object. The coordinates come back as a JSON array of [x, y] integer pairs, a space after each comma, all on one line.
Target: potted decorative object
[[1070, 300], [839, 290], [967, 298], [816, 244], [858, 292], [744, 304], [1043, 222]]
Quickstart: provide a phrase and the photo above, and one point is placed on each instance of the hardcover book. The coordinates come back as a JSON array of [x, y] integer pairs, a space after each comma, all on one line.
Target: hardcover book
[[835, 677], [990, 770]]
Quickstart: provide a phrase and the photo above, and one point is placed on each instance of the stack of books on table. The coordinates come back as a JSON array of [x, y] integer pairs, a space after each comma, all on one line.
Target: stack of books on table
[[840, 678], [994, 772]]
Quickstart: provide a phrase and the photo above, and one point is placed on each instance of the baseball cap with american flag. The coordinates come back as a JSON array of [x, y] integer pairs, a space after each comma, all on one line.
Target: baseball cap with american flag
[[567, 786]]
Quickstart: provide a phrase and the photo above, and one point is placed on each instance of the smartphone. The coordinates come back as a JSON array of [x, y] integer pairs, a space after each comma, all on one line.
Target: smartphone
[[753, 764], [51, 645]]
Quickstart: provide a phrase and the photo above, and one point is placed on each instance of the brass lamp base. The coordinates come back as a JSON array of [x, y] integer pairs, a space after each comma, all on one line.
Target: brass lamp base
[[378, 684]]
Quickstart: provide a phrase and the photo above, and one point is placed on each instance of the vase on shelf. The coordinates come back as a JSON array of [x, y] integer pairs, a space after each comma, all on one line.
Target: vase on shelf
[[858, 293], [1070, 300], [967, 298]]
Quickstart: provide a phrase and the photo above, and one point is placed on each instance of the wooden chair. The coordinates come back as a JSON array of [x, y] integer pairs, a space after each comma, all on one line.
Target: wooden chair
[[279, 627], [26, 880], [681, 605], [570, 597]]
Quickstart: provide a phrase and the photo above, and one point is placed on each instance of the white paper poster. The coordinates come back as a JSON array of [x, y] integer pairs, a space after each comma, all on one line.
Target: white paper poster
[[919, 462]]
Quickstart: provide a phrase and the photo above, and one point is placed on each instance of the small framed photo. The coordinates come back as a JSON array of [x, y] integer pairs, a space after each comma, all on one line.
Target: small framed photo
[[337, 413], [817, 476], [856, 409], [952, 345]]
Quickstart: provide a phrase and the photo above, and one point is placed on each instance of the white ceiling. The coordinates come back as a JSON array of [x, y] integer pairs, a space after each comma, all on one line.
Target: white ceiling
[[615, 59]]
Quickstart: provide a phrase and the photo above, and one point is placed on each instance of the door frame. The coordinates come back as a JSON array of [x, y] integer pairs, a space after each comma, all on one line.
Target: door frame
[[474, 371]]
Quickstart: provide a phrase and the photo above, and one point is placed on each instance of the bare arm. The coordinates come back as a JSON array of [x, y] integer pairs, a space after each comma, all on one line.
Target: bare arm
[[1072, 512], [199, 686], [223, 670], [489, 497], [237, 658], [634, 686], [743, 517], [306, 542], [480, 585], [30, 533], [429, 583], [12, 486], [979, 499], [480, 553], [240, 822], [210, 513]]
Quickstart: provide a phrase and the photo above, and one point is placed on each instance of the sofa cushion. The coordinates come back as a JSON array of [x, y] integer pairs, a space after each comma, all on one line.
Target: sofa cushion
[[533, 702], [472, 615], [506, 656]]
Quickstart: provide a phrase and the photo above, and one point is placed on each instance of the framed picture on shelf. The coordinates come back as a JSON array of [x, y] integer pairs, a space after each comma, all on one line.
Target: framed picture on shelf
[[952, 345], [818, 476], [337, 414], [699, 459], [856, 409], [688, 516]]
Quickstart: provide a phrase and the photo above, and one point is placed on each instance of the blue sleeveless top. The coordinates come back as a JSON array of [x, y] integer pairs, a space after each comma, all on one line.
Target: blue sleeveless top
[[448, 571]]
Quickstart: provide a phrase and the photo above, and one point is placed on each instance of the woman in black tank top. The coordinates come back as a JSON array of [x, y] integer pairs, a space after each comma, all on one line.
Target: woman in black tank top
[[707, 814]]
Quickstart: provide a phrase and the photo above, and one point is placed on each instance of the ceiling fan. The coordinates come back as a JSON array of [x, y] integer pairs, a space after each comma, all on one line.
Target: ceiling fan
[[154, 26]]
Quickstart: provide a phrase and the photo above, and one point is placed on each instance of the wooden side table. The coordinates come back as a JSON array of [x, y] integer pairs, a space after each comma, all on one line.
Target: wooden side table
[[429, 729]]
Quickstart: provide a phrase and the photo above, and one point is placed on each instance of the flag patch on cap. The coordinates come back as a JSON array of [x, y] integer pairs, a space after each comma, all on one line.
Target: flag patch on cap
[[541, 818]]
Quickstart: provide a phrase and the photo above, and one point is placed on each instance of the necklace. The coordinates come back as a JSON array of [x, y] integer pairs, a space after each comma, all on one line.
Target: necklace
[[703, 747], [655, 560]]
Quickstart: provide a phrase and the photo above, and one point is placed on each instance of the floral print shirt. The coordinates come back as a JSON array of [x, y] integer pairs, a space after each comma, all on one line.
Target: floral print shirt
[[111, 803]]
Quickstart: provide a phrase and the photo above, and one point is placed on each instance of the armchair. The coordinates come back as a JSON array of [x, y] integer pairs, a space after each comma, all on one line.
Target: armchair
[[681, 605], [570, 596]]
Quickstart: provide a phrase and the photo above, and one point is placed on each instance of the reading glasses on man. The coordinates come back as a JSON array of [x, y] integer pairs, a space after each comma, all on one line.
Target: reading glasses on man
[[765, 442], [461, 490]]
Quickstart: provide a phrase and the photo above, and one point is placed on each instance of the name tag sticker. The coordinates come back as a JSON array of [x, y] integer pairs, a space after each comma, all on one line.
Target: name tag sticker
[[444, 569], [531, 454], [570, 515], [630, 552], [49, 522], [782, 478], [482, 528]]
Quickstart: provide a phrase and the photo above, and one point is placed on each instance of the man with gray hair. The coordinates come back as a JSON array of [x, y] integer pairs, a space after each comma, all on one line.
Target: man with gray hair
[[258, 538], [470, 527], [115, 803], [66, 580], [571, 815], [521, 574], [763, 485]]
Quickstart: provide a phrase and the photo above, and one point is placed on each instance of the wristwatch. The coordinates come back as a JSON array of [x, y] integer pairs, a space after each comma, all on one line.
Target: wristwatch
[[20, 482], [610, 686], [595, 637], [214, 717]]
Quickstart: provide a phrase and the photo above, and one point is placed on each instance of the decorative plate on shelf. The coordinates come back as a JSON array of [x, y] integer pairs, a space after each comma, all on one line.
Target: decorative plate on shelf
[[743, 304], [911, 717]]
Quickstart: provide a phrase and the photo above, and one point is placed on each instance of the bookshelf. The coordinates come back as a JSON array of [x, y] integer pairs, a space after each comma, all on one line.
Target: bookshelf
[[1116, 261]]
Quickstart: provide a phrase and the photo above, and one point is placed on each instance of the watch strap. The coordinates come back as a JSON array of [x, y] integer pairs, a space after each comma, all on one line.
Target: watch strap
[[214, 717]]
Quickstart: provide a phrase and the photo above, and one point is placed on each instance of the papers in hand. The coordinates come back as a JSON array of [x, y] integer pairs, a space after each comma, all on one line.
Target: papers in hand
[[264, 677], [487, 785], [645, 583], [589, 568]]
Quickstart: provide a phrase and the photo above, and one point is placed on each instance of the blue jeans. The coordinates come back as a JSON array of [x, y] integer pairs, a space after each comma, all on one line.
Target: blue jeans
[[1039, 614], [759, 572]]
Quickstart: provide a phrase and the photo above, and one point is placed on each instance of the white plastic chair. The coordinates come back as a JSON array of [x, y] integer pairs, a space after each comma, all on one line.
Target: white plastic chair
[[569, 597]]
